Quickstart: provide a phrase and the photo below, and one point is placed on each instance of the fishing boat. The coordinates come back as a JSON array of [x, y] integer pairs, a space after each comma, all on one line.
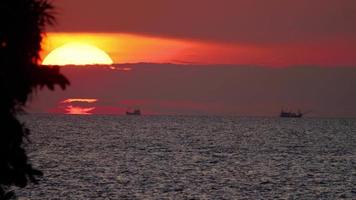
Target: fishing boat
[[285, 114], [134, 112]]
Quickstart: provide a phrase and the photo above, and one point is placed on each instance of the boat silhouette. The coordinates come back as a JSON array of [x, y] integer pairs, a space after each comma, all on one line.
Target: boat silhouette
[[134, 112], [286, 114]]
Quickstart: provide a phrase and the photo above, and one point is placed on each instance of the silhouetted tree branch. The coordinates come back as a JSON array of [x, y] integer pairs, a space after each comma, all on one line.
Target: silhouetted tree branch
[[22, 24]]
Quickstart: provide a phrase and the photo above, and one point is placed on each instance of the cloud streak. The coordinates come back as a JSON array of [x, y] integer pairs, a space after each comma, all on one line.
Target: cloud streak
[[80, 100]]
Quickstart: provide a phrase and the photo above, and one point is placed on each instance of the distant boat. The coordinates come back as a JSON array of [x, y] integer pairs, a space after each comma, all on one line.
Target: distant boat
[[285, 114], [134, 112]]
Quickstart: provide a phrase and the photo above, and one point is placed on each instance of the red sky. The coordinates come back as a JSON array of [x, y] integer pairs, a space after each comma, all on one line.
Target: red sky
[[281, 53], [278, 32], [240, 21]]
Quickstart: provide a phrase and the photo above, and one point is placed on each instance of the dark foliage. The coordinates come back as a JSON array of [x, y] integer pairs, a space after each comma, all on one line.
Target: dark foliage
[[22, 24]]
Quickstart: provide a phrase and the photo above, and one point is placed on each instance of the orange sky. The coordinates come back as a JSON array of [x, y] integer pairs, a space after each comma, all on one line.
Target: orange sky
[[131, 48], [122, 48]]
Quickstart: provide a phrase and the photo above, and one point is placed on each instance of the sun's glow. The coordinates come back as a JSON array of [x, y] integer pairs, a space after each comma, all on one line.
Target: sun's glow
[[76, 110], [122, 48], [77, 54]]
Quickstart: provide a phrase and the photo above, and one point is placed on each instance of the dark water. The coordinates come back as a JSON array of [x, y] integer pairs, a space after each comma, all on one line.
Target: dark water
[[112, 157]]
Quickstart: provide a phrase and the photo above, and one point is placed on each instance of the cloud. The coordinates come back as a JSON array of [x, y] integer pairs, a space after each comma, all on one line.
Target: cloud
[[80, 100]]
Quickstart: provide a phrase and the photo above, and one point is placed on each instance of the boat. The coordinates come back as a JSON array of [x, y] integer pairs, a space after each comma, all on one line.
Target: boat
[[134, 112], [291, 114]]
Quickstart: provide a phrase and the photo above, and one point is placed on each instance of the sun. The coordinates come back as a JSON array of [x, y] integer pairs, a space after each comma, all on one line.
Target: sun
[[77, 54]]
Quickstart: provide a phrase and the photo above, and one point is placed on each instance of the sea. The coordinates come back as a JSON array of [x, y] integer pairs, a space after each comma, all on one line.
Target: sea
[[191, 157]]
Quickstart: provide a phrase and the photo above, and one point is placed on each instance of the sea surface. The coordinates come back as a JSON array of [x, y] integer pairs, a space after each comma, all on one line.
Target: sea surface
[[191, 157]]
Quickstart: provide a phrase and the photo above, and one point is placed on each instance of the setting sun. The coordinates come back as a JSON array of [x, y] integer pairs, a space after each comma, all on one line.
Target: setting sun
[[77, 54]]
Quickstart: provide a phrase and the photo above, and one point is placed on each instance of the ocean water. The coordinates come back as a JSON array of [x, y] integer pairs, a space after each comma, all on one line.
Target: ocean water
[[191, 157]]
